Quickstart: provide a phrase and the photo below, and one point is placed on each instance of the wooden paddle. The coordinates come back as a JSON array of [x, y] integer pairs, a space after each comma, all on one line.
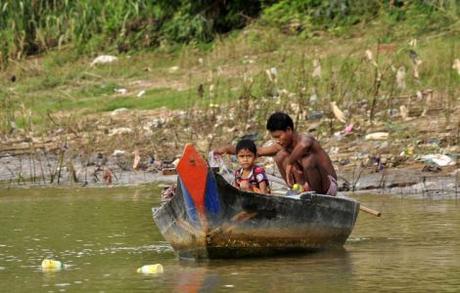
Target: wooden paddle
[[370, 211]]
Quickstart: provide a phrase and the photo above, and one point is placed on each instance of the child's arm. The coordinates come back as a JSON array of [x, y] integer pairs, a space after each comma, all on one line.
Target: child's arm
[[235, 178], [262, 180], [263, 186]]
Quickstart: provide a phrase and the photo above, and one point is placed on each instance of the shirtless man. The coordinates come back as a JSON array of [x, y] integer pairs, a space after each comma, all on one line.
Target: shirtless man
[[299, 158]]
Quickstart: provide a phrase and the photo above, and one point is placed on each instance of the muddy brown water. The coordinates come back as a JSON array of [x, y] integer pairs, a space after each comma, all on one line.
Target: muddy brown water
[[103, 235]]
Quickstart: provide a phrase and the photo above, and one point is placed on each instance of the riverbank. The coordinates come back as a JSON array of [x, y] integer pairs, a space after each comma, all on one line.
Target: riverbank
[[132, 147], [117, 170]]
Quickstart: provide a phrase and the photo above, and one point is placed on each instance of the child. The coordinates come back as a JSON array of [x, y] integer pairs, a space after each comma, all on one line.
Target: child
[[249, 177]]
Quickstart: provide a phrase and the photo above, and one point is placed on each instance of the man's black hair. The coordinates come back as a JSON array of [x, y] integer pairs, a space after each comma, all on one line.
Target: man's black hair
[[246, 144], [279, 121]]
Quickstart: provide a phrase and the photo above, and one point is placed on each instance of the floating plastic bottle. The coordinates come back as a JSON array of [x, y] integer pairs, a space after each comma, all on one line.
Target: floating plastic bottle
[[51, 265], [151, 269]]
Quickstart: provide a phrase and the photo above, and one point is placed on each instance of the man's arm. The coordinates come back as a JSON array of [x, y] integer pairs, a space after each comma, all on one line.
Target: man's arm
[[226, 149], [261, 151], [268, 150], [300, 150]]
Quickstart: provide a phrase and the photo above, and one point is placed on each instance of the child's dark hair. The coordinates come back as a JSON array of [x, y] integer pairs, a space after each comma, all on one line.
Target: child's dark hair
[[279, 121], [246, 144]]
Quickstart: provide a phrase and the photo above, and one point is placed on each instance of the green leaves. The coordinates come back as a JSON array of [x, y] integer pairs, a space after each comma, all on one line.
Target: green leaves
[[33, 26]]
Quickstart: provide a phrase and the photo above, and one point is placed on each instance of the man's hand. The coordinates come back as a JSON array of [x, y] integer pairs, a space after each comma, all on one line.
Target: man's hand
[[220, 151], [289, 177], [292, 172]]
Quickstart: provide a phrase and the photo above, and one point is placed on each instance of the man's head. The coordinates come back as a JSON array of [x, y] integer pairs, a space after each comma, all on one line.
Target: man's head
[[281, 128]]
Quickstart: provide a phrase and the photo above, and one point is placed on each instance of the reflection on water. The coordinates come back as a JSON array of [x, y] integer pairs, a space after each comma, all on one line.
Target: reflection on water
[[104, 235]]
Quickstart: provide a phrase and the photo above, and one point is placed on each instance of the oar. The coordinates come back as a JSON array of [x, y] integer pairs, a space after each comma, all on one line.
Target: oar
[[370, 211], [361, 207]]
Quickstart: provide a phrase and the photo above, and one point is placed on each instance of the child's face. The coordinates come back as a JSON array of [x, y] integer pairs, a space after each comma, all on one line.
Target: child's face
[[246, 158]]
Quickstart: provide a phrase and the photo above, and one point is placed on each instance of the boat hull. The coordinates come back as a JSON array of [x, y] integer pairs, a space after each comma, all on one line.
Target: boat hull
[[251, 224]]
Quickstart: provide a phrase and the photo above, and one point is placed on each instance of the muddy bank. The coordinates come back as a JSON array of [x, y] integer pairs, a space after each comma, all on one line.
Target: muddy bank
[[117, 170], [406, 182], [99, 150], [97, 170]]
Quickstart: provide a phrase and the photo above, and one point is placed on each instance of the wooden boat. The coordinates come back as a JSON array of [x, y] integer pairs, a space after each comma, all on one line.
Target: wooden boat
[[209, 218]]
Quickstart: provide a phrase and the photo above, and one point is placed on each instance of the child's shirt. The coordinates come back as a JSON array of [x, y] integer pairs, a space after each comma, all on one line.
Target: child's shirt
[[256, 177]]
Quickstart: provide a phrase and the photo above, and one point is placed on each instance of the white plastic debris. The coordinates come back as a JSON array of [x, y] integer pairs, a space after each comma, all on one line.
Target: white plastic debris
[[51, 265], [176, 162], [156, 123], [118, 111], [117, 153], [337, 112], [456, 65], [438, 159], [416, 63], [103, 59], [137, 159], [317, 69], [121, 130], [173, 69], [404, 112], [401, 78], [272, 74], [369, 55], [121, 91], [377, 136], [141, 93], [151, 269]]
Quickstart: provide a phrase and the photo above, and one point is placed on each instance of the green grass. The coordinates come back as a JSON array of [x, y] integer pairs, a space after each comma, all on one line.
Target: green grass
[[61, 81]]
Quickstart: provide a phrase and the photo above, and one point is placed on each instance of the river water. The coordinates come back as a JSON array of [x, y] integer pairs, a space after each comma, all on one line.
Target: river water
[[103, 235]]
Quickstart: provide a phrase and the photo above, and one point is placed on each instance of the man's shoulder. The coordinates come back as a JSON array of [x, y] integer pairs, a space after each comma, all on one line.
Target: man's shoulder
[[307, 136], [308, 139]]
